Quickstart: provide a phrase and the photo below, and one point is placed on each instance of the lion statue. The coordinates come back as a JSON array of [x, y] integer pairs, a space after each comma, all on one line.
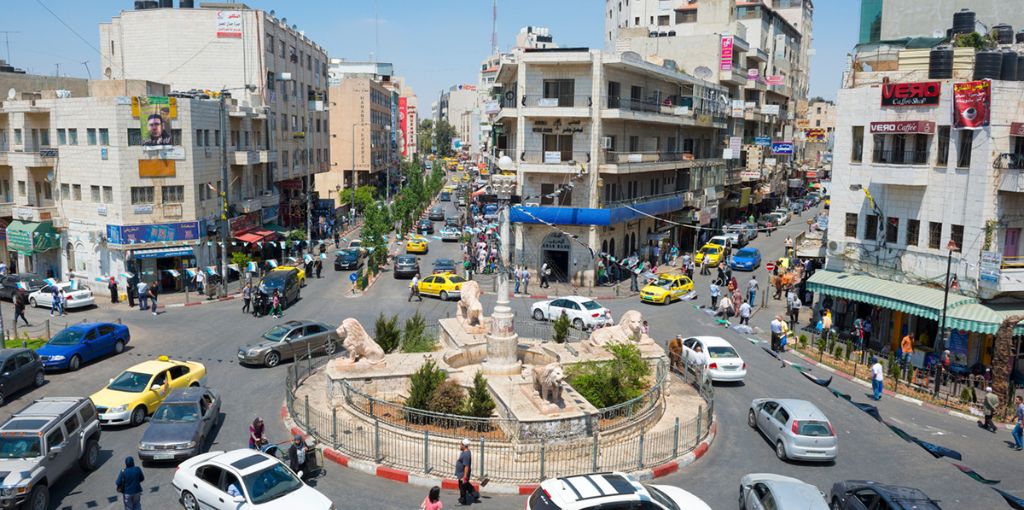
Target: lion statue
[[470, 310], [358, 344], [547, 380], [630, 329]]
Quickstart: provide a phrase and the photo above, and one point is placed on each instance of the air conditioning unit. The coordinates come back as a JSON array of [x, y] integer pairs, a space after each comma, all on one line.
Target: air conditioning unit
[[836, 247], [606, 142]]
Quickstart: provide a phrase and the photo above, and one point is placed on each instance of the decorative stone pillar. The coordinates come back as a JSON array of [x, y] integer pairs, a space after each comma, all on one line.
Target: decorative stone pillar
[[502, 340]]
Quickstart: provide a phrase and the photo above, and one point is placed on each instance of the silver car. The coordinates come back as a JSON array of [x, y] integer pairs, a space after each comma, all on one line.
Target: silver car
[[763, 491], [180, 426], [289, 340], [797, 428]]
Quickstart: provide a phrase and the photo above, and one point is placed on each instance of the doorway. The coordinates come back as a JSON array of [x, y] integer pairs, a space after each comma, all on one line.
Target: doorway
[[555, 252], [1011, 245]]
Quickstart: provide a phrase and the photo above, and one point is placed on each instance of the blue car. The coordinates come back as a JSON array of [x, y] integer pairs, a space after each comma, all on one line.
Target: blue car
[[747, 259], [81, 343]]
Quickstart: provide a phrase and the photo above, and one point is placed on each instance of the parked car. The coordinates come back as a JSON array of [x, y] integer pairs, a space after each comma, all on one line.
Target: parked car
[[764, 219], [425, 226], [75, 296], [601, 491], [286, 283], [761, 491], [140, 389], [721, 361], [21, 368], [746, 259], [797, 206], [784, 215], [82, 343], [9, 284], [436, 213], [726, 242], [41, 443], [450, 233], [444, 265], [180, 426], [736, 234], [583, 312], [406, 266], [347, 259], [265, 482], [865, 494], [289, 340], [751, 230], [797, 428], [445, 286]]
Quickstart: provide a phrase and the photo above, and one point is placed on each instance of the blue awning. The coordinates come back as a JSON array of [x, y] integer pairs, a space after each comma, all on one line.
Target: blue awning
[[587, 216]]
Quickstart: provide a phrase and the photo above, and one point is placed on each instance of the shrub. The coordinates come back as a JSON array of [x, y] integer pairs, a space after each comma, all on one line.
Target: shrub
[[606, 383], [803, 340], [848, 351], [447, 398], [422, 385], [388, 334], [240, 258], [821, 344], [560, 329], [837, 349], [479, 402], [414, 335], [965, 395]]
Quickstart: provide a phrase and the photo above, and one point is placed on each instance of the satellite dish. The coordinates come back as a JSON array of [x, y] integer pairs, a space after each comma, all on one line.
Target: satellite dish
[[632, 56], [50, 176], [702, 72], [11, 93]]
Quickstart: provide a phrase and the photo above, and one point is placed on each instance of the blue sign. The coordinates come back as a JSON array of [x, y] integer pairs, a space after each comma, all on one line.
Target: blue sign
[[782, 148], [353, 277], [154, 233], [763, 140], [158, 253]]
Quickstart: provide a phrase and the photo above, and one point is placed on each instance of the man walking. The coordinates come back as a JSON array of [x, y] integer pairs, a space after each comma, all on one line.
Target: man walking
[[991, 404], [143, 292], [463, 470], [907, 347], [129, 484], [634, 286], [518, 276], [714, 294], [526, 280], [131, 289], [153, 292], [745, 313], [776, 329], [19, 306], [794, 311], [1018, 418], [414, 289], [752, 290], [877, 378], [545, 272], [200, 281], [246, 297], [54, 299]]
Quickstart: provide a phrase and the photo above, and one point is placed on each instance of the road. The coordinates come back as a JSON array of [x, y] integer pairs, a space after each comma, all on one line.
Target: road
[[211, 333]]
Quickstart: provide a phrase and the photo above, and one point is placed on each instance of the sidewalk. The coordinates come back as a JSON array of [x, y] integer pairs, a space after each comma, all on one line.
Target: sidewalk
[[489, 284]]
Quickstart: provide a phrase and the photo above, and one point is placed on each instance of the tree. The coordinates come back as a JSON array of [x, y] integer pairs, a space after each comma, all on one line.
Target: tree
[[1002, 354], [448, 398], [444, 133], [364, 197], [422, 385], [387, 332], [415, 337], [425, 135], [376, 226], [479, 403], [560, 328], [240, 259]]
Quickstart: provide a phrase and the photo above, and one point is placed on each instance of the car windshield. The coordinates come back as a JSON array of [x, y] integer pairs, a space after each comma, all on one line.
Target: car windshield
[[180, 412], [132, 382], [23, 447], [276, 333], [814, 429], [270, 484], [67, 337], [661, 497], [406, 260], [665, 283], [710, 250], [591, 305], [456, 279], [722, 351], [745, 253]]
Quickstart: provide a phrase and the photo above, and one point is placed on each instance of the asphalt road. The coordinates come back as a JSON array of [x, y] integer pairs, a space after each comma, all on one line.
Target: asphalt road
[[211, 333]]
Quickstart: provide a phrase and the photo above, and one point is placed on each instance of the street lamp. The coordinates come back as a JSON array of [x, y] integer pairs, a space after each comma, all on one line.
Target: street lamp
[[952, 247]]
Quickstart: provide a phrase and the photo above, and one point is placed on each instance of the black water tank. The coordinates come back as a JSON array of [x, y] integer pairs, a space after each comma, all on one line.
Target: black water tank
[[1003, 33], [1020, 36], [167, 4], [1020, 67], [1009, 69], [940, 63], [988, 65], [963, 21], [140, 5], [186, 4]]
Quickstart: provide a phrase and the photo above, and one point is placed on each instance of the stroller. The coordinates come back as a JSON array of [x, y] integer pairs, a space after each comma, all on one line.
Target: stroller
[[260, 304]]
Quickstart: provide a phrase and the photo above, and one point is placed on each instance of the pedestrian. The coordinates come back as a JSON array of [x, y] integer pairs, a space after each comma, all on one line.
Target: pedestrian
[[54, 299], [737, 300], [62, 300], [1018, 428], [704, 266], [633, 275], [153, 292], [689, 269], [130, 290], [907, 349], [518, 277], [526, 280], [745, 313], [414, 288], [143, 293], [246, 297], [768, 228], [337, 240], [877, 378], [433, 500], [275, 304], [129, 484], [714, 294], [200, 281], [784, 337], [794, 311], [297, 456], [752, 290], [463, 470], [991, 404], [725, 309], [20, 301], [646, 328], [112, 287], [545, 273], [256, 433], [776, 330], [867, 331]]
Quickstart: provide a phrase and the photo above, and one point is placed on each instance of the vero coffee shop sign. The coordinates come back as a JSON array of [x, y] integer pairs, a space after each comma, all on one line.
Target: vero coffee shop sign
[[925, 93]]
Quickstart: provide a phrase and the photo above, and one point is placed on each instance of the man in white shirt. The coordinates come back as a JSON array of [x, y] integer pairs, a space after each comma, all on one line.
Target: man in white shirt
[[776, 329], [143, 292], [414, 289], [745, 313], [877, 378]]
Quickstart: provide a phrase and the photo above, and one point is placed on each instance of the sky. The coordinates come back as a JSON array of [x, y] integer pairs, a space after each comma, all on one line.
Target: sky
[[433, 44]]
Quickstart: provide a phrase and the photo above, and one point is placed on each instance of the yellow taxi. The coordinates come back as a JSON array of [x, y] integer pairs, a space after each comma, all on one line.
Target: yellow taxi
[[465, 177], [138, 391], [297, 267], [443, 285], [416, 244], [668, 288], [712, 252]]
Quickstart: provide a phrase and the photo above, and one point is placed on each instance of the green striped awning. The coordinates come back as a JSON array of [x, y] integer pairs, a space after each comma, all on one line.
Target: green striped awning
[[981, 318], [913, 299]]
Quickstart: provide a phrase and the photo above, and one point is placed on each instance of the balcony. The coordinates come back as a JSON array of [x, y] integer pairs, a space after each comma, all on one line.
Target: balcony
[[736, 76], [611, 213], [553, 161], [757, 55], [670, 110], [248, 205], [1012, 177], [269, 199], [40, 157], [634, 162], [562, 106]]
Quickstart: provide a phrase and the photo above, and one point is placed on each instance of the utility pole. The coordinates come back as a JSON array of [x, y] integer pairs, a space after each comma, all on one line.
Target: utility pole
[[87, 71], [225, 228], [309, 178]]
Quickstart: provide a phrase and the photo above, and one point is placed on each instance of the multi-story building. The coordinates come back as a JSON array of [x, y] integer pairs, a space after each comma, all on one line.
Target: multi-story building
[[87, 195], [816, 125], [262, 61], [408, 122], [883, 20], [926, 197], [758, 50], [614, 151], [460, 107]]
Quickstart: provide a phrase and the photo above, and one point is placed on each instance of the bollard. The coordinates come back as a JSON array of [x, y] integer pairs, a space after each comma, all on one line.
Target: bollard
[[426, 451], [700, 413], [334, 427], [542, 459], [640, 457], [594, 453], [308, 428], [48, 329], [376, 440], [675, 440], [482, 458]]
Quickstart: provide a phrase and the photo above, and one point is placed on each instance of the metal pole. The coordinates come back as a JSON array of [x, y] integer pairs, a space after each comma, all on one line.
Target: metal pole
[[482, 457], [376, 440], [224, 197], [426, 451], [942, 327], [334, 427], [640, 456], [352, 202], [675, 440], [309, 179], [542, 459]]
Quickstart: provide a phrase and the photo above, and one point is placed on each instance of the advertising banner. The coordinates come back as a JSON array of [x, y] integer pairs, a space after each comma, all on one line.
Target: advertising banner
[[971, 103], [990, 266], [154, 233], [229, 24], [403, 112], [775, 79], [725, 64], [1017, 129], [911, 94], [155, 114], [816, 135], [770, 109], [763, 140]]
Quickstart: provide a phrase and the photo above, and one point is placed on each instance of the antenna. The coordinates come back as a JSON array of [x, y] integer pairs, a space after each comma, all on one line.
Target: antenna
[[87, 71], [7, 42], [494, 27]]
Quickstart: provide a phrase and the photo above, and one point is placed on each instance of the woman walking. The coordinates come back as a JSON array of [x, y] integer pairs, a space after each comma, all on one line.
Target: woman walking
[[246, 297], [275, 301]]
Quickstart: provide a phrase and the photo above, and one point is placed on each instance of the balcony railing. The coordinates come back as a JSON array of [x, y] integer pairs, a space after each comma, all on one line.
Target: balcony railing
[[640, 200], [614, 158], [576, 101], [894, 157], [554, 157]]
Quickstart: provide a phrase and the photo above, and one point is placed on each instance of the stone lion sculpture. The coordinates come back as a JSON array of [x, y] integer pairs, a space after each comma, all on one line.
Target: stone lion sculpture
[[630, 329], [470, 310], [358, 344], [547, 380]]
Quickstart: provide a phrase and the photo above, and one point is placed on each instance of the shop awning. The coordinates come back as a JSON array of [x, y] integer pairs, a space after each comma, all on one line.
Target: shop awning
[[981, 318], [266, 235], [159, 253], [248, 237], [913, 299], [28, 237]]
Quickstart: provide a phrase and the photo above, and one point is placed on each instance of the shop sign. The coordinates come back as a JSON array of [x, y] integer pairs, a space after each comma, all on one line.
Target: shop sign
[[177, 251], [725, 64], [245, 222], [1017, 129], [815, 135], [903, 126], [154, 233], [142, 209], [911, 94], [775, 79], [770, 109], [971, 104], [750, 175], [782, 147], [763, 140], [556, 242], [990, 266]]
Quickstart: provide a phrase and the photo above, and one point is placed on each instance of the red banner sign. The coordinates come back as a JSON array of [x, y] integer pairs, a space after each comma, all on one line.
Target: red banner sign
[[403, 111], [911, 94], [971, 104], [1017, 129], [903, 126], [725, 63]]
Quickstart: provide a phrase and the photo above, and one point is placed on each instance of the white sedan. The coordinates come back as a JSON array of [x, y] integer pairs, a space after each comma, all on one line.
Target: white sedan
[[262, 482], [583, 312], [720, 360], [81, 297], [759, 491]]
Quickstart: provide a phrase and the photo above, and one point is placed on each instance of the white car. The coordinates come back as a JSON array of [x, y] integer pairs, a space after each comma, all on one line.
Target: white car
[[759, 491], [784, 215], [599, 491], [583, 312], [73, 298], [721, 362], [202, 482]]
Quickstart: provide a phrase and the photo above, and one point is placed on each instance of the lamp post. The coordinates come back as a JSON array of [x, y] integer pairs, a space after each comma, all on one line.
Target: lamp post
[[951, 246], [502, 339]]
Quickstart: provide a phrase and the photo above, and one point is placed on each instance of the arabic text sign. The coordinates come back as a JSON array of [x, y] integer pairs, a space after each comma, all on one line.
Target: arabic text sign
[[229, 24]]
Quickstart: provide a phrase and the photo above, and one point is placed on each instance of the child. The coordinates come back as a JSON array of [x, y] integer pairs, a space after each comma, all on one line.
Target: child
[[433, 500]]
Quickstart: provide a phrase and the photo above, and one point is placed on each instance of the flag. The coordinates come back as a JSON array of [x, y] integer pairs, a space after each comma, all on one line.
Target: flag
[[50, 281], [1014, 502], [839, 394], [769, 351], [868, 408], [251, 267], [22, 286], [815, 380], [973, 474], [233, 267], [127, 275], [272, 263], [211, 270], [899, 432], [74, 284], [938, 451], [191, 273], [307, 258]]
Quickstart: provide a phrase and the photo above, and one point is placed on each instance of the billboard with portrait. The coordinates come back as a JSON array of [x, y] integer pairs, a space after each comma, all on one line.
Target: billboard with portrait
[[155, 114]]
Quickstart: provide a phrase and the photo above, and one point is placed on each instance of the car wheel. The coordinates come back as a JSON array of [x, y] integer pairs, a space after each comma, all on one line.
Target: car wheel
[[138, 415], [90, 459], [330, 348], [195, 384], [751, 420], [538, 315], [578, 324], [444, 295], [40, 379], [39, 499], [33, 303], [189, 501], [836, 505], [780, 450], [118, 347], [272, 359], [74, 363]]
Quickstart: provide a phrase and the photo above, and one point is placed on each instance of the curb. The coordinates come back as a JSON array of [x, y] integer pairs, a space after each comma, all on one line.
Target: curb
[[406, 477]]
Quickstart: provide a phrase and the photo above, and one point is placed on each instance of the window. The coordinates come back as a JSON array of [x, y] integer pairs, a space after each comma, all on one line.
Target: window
[[871, 227], [108, 194], [634, 143], [172, 194], [913, 232], [284, 159], [72, 136], [21, 188], [663, 20], [55, 438], [558, 143], [142, 195], [62, 137], [104, 136], [562, 90], [134, 136], [175, 137], [548, 196], [963, 156], [206, 137], [44, 137], [94, 193], [199, 138], [216, 138], [17, 136], [892, 230], [956, 234], [87, 413], [934, 234], [65, 191], [689, 16], [943, 157], [858, 144], [90, 136], [71, 424]]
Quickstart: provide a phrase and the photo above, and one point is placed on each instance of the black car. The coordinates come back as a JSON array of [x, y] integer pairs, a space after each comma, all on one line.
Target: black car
[[21, 368], [425, 226], [452, 221], [444, 266], [446, 196], [284, 282], [436, 214], [347, 259], [9, 284], [863, 495], [406, 266]]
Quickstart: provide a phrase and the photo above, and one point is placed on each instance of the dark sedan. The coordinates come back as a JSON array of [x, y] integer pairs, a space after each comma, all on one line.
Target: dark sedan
[[180, 426], [22, 369], [444, 266], [347, 259], [425, 226], [406, 266], [863, 495], [9, 284], [436, 214]]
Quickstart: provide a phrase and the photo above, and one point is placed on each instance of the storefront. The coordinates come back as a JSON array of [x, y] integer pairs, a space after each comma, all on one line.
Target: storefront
[[161, 252], [164, 265], [37, 245]]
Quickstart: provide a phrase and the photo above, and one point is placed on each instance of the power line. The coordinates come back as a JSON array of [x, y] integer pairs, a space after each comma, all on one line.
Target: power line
[[62, 22]]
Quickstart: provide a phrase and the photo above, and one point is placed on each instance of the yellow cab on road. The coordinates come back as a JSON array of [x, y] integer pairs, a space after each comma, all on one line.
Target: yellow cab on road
[[668, 288], [712, 252], [443, 285], [297, 267], [139, 390], [416, 244]]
